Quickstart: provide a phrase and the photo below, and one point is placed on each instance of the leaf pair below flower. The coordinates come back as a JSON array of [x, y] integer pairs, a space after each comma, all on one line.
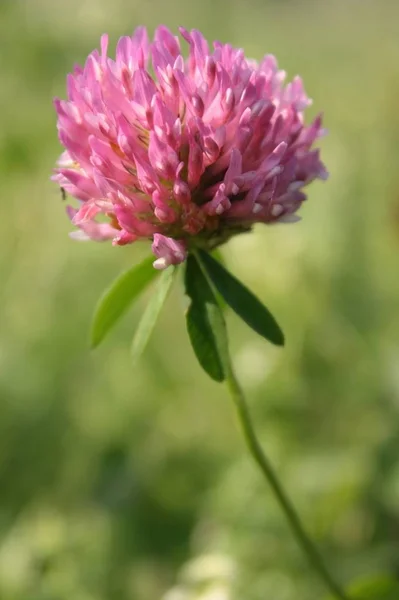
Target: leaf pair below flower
[[120, 295], [208, 284]]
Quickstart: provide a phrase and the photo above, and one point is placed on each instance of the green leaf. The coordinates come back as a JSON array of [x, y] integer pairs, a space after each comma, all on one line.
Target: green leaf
[[152, 312], [118, 297], [217, 255], [205, 324], [242, 301]]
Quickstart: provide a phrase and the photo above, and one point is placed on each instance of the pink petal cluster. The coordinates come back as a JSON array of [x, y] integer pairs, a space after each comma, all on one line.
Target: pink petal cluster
[[182, 151]]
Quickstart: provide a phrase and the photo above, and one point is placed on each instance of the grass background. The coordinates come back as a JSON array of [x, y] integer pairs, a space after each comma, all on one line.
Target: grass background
[[111, 479]]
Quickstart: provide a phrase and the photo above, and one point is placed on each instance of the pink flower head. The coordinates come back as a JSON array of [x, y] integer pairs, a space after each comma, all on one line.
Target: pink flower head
[[182, 151]]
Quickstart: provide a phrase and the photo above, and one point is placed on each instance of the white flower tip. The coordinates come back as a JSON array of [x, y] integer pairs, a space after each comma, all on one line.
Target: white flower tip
[[160, 263], [324, 174], [277, 210], [290, 218], [295, 185], [79, 235]]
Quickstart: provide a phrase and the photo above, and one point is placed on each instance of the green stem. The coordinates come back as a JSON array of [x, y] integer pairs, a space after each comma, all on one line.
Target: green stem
[[263, 462]]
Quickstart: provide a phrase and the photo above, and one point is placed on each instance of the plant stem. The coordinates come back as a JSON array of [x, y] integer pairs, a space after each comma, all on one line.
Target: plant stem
[[263, 462]]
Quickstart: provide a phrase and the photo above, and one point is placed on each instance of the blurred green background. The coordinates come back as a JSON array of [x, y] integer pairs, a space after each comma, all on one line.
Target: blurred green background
[[112, 479]]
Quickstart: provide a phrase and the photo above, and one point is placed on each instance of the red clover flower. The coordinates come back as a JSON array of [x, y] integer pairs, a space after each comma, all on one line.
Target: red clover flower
[[182, 152]]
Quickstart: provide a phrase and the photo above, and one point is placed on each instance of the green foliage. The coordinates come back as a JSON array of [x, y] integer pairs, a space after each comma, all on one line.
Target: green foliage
[[242, 301], [119, 296], [152, 312], [205, 323]]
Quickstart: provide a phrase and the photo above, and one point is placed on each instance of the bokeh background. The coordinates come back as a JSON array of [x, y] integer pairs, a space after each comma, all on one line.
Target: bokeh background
[[121, 484]]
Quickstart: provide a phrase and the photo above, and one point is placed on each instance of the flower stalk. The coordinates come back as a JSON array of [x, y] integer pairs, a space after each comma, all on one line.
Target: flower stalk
[[259, 455], [272, 479]]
